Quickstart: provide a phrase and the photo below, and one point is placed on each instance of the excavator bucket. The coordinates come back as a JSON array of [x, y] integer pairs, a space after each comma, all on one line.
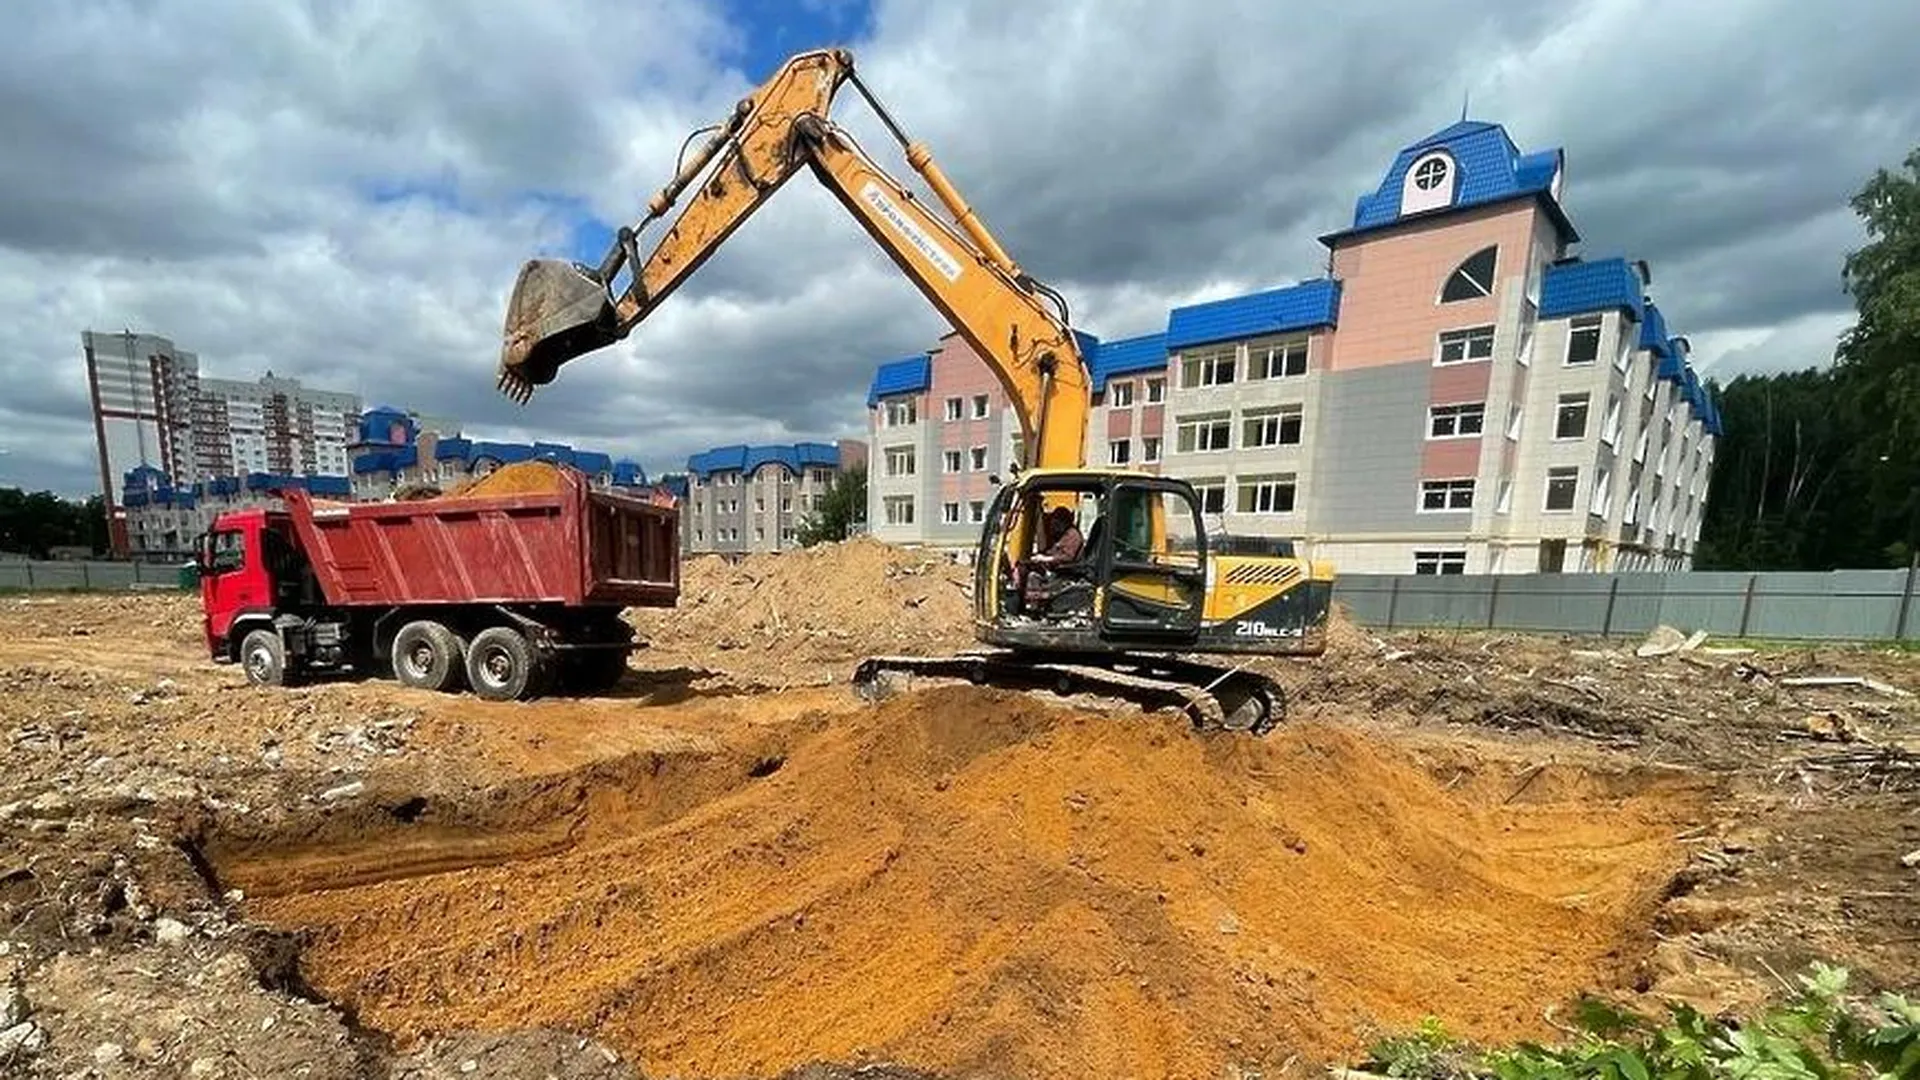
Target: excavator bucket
[[559, 310]]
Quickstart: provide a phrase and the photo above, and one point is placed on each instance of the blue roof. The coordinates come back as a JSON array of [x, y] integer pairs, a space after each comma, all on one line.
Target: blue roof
[[1296, 307], [628, 473], [448, 449], [330, 485], [909, 376], [504, 453], [677, 484], [592, 462], [746, 459], [1653, 334], [1127, 356], [377, 461], [1576, 288], [1490, 169]]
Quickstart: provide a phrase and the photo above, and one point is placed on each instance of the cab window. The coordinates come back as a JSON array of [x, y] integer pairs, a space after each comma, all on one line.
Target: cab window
[[227, 551]]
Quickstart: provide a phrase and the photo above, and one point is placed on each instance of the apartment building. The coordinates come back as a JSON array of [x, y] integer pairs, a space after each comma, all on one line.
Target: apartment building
[[744, 498], [1461, 393], [142, 390], [273, 425]]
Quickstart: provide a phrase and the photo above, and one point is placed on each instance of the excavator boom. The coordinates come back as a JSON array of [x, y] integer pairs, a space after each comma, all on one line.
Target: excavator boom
[[561, 310]]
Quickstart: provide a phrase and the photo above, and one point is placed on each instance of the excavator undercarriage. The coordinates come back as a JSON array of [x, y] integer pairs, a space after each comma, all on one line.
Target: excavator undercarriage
[[1214, 697]]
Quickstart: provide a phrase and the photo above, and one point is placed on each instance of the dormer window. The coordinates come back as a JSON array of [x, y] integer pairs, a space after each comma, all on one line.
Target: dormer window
[[1429, 184]]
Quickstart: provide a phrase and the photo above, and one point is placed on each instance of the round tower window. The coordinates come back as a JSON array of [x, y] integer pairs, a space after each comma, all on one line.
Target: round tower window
[[1430, 173]]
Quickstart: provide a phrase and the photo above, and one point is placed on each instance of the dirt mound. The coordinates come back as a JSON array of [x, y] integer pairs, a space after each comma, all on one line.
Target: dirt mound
[[519, 478], [967, 880], [824, 602]]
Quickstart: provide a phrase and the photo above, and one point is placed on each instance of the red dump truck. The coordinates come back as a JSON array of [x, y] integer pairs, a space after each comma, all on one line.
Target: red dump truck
[[511, 596]]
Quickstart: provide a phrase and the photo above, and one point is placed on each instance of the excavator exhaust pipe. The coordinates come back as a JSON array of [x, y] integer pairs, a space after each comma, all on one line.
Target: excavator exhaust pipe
[[559, 310]]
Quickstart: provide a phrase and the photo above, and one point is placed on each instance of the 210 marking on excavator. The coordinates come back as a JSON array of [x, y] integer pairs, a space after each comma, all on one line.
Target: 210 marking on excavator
[[1257, 628]]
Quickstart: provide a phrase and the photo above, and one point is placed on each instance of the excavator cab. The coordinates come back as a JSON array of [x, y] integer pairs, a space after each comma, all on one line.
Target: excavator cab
[[1075, 560]]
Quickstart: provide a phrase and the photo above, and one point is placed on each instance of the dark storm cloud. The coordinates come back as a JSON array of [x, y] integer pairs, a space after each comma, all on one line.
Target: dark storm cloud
[[339, 191]]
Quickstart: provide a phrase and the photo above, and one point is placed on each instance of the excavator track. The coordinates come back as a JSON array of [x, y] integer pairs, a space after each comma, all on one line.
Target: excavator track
[[1215, 698]]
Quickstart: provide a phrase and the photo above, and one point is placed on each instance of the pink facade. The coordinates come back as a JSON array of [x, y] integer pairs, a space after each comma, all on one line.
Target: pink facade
[[1390, 285], [1119, 423]]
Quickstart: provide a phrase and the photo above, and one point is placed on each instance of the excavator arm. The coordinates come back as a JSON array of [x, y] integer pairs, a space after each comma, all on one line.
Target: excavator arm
[[561, 310]]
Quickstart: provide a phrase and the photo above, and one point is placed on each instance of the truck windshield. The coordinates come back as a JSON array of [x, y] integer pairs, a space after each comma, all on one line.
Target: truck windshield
[[229, 552]]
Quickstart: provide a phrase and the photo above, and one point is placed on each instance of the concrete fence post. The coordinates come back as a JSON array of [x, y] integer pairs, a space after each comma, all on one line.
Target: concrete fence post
[[1906, 599], [1613, 593], [1746, 605], [29, 574], [1493, 601], [86, 578], [1393, 600]]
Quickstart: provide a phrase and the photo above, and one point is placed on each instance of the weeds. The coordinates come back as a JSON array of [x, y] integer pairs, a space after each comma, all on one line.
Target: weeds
[[1821, 1032]]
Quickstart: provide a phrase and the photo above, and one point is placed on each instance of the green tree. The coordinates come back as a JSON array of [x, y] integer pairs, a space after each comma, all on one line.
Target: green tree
[[843, 506], [33, 523]]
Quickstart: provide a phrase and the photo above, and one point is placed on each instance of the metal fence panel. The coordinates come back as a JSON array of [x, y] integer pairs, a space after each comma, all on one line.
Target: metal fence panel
[[1844, 605]]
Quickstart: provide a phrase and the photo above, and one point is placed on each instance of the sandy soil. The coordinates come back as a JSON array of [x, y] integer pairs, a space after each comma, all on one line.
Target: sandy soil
[[734, 866]]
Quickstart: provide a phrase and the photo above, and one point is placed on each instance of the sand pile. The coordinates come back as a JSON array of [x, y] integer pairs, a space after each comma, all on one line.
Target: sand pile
[[975, 881], [827, 601], [519, 478]]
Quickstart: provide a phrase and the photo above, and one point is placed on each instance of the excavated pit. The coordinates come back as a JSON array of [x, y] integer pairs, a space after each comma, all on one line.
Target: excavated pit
[[981, 882]]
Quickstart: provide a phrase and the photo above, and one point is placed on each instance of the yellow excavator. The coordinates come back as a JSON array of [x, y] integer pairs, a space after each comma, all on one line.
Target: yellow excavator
[[1148, 588]]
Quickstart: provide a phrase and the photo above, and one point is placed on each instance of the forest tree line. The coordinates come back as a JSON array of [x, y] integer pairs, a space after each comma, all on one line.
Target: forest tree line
[[1819, 469]]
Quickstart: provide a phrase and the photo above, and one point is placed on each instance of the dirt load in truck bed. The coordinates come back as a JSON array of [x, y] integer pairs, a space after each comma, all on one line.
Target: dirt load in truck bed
[[703, 874]]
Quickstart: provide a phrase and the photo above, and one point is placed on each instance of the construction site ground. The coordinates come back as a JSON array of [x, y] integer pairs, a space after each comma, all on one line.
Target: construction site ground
[[734, 866]]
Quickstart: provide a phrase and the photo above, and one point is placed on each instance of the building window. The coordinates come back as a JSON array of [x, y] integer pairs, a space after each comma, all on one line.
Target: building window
[[979, 406], [1119, 451], [1439, 562], [1272, 427], [898, 509], [1583, 340], [950, 461], [1156, 390], [1436, 495], [950, 513], [1267, 494], [1465, 346], [1213, 368], [1213, 495], [1456, 421], [979, 458], [977, 511], [1514, 420], [1633, 508], [953, 408], [899, 461], [1150, 448], [1503, 496], [1570, 421], [1561, 484], [1203, 434], [1610, 429], [902, 411], [1277, 360], [1472, 279], [1120, 394]]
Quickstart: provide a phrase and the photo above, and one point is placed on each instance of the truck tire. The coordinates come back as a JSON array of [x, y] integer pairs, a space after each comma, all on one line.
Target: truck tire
[[263, 656], [428, 656], [503, 666]]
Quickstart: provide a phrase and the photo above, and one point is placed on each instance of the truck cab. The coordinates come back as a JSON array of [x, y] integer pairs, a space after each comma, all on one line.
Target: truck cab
[[251, 570]]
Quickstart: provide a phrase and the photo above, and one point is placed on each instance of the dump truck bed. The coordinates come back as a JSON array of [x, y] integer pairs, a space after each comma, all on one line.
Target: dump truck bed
[[572, 545]]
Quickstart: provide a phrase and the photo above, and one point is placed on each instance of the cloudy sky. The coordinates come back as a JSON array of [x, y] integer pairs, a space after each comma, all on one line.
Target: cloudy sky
[[344, 191]]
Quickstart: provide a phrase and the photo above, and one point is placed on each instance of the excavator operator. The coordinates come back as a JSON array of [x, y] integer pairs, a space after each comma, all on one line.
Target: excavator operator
[[1062, 546]]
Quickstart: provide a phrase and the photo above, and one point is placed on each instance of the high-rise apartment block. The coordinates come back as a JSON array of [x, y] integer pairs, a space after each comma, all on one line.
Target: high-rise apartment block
[[1461, 393]]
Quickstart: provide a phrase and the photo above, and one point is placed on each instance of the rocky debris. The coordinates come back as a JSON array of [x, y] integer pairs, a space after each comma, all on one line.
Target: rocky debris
[[344, 791], [539, 1052]]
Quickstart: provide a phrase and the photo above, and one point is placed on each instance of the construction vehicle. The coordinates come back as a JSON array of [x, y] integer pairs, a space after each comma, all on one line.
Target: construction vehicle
[[511, 596], [1151, 588]]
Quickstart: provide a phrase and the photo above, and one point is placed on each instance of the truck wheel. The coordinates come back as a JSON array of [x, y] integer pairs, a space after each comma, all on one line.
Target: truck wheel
[[502, 665], [264, 657], [427, 655]]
